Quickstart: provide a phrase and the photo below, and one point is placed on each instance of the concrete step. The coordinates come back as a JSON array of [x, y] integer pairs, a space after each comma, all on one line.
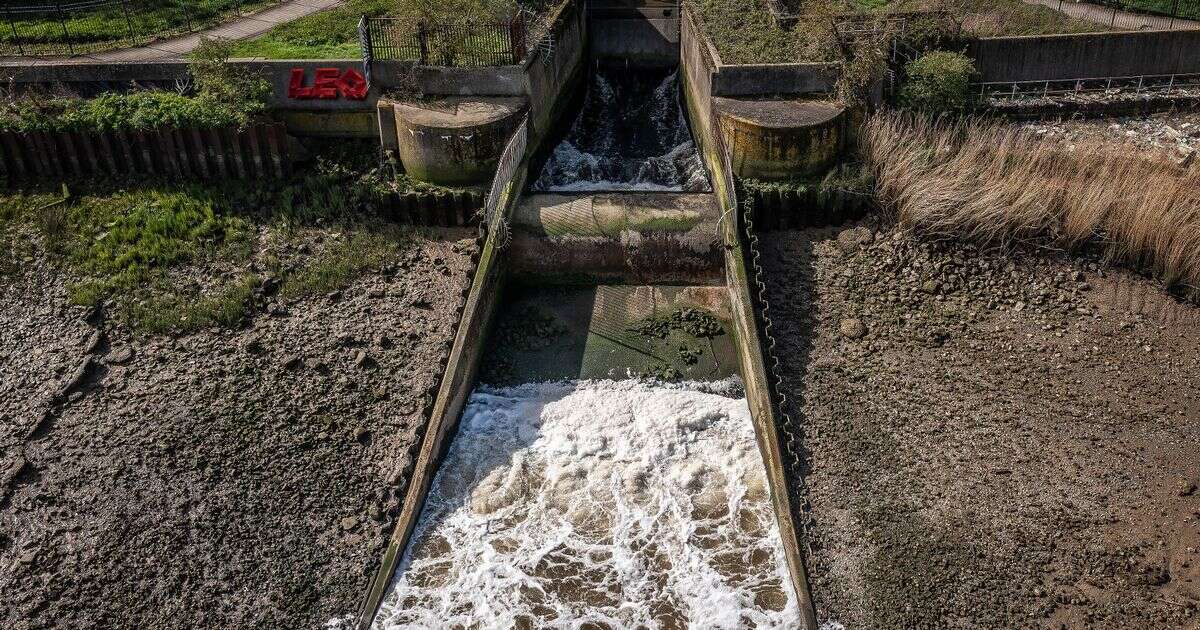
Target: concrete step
[[639, 238]]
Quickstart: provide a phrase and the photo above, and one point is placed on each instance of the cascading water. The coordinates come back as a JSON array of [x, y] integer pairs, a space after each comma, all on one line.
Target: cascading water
[[608, 504], [631, 134]]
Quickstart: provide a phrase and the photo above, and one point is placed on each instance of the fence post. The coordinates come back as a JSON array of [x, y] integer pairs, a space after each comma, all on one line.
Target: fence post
[[62, 19], [13, 25], [422, 44], [516, 37], [128, 22]]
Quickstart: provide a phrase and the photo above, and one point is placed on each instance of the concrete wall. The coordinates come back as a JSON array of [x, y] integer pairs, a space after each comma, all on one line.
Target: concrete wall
[[699, 61], [437, 81], [1086, 55], [792, 79], [550, 76], [641, 41]]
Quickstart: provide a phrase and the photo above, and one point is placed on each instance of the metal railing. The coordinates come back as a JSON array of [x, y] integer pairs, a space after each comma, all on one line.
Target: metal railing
[[506, 170], [55, 27], [465, 45], [1132, 15], [1162, 84]]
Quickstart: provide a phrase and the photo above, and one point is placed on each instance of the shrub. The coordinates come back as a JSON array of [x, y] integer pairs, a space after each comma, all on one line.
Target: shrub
[[937, 82], [216, 79]]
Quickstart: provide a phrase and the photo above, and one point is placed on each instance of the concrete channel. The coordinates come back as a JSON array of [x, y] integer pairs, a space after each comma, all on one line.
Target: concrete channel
[[597, 262]]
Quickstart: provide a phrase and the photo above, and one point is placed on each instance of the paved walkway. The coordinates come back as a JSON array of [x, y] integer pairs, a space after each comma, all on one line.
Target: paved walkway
[[245, 27], [1120, 20]]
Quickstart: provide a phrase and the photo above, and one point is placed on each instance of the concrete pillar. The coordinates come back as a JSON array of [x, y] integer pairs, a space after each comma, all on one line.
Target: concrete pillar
[[453, 141], [782, 139]]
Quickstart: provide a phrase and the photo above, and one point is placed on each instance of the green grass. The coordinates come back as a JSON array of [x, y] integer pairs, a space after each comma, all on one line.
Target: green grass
[[109, 26], [129, 111], [1189, 9], [329, 34], [344, 261], [173, 258]]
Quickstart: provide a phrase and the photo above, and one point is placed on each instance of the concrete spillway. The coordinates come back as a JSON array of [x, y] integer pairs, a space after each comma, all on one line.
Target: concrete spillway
[[550, 490], [642, 238]]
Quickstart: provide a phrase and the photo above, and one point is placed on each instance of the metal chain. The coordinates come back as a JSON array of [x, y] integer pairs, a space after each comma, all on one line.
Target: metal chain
[[792, 431]]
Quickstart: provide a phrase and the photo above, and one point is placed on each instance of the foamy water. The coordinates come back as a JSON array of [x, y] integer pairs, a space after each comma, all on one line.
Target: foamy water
[[615, 503], [631, 134]]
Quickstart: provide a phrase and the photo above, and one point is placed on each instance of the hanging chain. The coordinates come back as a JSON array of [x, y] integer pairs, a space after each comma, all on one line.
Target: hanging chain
[[791, 430]]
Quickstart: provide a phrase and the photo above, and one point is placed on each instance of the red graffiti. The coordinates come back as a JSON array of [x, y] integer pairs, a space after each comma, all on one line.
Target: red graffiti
[[328, 83]]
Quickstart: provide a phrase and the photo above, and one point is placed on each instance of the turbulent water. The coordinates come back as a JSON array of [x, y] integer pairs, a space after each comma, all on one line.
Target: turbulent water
[[631, 134], [597, 504]]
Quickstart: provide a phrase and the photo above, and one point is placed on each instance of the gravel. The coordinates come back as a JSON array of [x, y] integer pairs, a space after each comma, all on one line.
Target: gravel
[[220, 479], [1004, 445]]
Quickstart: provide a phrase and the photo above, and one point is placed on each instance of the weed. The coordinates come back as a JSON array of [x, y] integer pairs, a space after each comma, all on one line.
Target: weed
[[340, 263], [173, 313]]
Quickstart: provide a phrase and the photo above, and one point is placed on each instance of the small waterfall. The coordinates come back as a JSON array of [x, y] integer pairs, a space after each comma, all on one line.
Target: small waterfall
[[612, 504], [631, 134]]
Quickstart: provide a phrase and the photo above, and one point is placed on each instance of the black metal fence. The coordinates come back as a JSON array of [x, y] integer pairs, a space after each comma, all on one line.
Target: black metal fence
[[1133, 15], [54, 27], [464, 45]]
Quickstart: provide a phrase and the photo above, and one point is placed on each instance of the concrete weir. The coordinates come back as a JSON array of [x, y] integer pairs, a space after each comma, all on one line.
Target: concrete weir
[[596, 263]]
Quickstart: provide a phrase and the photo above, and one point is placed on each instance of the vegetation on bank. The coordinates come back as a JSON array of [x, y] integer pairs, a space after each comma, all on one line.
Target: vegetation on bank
[[743, 31], [222, 95], [333, 34], [937, 81], [168, 257], [111, 23], [991, 183]]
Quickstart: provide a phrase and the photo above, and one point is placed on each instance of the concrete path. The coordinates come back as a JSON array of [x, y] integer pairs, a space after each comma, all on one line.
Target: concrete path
[[1121, 20], [245, 27]]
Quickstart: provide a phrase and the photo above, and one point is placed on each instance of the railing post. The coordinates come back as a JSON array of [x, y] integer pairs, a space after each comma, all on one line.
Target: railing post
[[62, 19], [1114, 18], [422, 43], [13, 25], [516, 35], [1174, 13], [129, 22]]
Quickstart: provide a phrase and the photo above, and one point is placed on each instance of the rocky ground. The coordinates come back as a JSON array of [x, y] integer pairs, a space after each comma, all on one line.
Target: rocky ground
[[1177, 133], [223, 479], [994, 441]]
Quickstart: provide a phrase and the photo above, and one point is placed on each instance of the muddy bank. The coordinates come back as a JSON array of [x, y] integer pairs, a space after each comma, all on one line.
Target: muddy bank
[[994, 441], [226, 478]]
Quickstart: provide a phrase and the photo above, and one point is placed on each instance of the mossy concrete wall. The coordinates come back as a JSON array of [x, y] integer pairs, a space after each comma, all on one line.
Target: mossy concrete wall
[[781, 139], [452, 141]]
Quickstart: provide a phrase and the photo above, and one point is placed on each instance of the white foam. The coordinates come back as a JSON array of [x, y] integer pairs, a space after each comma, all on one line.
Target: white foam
[[619, 503]]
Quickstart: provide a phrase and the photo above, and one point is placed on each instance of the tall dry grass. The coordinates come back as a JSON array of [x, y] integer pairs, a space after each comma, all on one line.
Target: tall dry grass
[[994, 184]]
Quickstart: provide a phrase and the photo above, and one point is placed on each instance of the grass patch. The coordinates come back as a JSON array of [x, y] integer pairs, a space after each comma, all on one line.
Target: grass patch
[[227, 307], [124, 241], [170, 257], [344, 261], [743, 33], [991, 183], [331, 34], [109, 26]]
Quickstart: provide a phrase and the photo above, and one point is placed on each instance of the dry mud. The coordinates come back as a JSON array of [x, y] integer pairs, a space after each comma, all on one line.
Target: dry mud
[[223, 479], [992, 440]]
